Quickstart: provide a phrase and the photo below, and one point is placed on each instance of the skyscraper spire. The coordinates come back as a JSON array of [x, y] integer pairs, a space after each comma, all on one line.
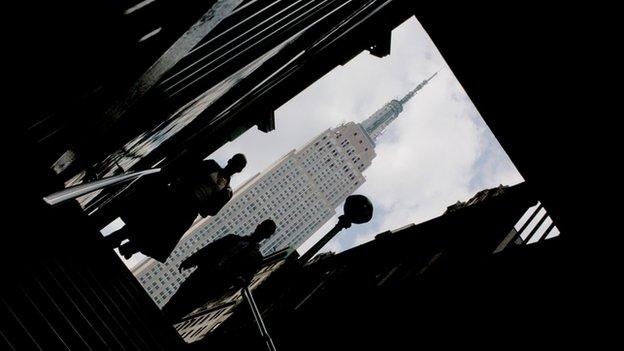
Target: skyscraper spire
[[379, 121], [415, 90]]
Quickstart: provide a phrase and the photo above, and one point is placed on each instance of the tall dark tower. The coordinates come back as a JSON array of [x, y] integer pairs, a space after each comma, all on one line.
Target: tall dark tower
[[379, 121]]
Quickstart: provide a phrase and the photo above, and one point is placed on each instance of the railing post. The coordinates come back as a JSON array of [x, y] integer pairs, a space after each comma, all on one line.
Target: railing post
[[258, 318]]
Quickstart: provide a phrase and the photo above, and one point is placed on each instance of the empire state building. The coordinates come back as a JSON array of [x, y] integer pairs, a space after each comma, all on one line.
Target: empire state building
[[300, 192]]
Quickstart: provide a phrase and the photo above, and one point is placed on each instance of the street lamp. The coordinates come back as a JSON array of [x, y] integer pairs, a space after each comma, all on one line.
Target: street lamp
[[357, 209]]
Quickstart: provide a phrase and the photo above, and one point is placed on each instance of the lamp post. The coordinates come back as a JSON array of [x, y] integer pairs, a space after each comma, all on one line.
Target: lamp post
[[357, 209]]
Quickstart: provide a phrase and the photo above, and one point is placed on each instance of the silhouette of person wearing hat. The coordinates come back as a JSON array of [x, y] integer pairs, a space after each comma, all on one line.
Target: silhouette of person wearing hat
[[225, 263], [164, 208]]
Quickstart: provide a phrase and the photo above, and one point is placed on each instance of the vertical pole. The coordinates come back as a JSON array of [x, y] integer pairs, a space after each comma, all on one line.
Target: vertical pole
[[258, 318], [322, 242]]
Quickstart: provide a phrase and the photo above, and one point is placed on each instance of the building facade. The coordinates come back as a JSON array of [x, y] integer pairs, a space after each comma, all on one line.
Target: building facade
[[300, 192]]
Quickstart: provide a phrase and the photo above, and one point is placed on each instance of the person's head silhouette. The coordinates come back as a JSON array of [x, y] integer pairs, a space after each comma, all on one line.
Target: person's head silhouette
[[236, 164], [264, 230]]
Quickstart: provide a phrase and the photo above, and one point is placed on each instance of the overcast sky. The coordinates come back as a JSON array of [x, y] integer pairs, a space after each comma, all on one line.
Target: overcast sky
[[437, 152]]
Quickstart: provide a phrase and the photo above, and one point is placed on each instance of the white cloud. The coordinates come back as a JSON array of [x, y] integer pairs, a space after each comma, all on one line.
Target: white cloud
[[437, 152]]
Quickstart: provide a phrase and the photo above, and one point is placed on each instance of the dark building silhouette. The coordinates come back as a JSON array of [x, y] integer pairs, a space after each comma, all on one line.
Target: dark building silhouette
[[214, 70], [91, 86], [64, 288], [430, 282], [100, 88]]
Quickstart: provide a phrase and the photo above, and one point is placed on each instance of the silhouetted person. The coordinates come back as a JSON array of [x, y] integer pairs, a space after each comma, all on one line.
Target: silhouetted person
[[225, 263], [166, 206]]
